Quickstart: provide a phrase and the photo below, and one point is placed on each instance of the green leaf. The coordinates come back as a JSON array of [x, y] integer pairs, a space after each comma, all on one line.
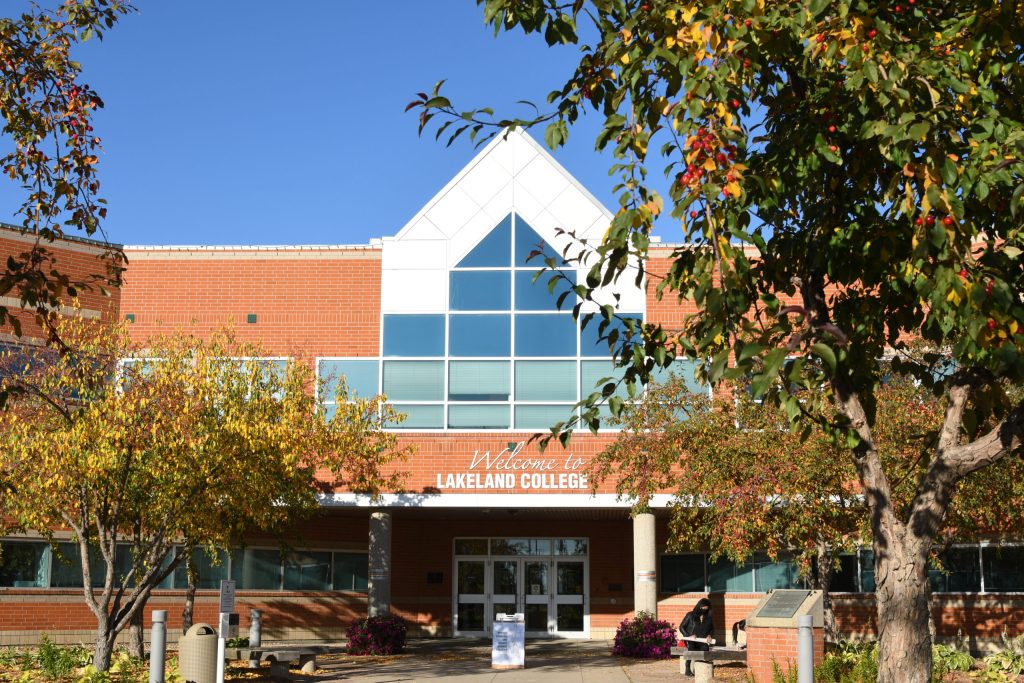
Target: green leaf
[[818, 6], [824, 352], [949, 173]]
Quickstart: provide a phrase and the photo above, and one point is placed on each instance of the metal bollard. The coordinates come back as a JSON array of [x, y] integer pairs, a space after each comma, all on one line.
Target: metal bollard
[[157, 646], [805, 649], [255, 634]]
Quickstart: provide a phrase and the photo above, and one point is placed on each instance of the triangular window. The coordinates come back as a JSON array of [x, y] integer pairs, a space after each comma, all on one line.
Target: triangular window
[[528, 242], [494, 250]]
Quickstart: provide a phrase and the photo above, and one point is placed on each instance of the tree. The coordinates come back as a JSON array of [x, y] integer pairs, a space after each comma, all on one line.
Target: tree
[[136, 449], [847, 176], [48, 114], [744, 482]]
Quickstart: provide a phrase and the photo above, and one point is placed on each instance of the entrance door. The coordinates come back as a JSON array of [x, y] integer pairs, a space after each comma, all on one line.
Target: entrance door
[[570, 593], [537, 596], [471, 597]]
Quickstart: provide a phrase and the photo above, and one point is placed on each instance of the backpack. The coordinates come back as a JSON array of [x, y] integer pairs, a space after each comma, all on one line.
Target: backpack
[[689, 624]]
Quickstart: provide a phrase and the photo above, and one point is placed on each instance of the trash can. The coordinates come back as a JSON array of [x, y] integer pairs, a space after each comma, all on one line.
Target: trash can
[[197, 654], [508, 642]]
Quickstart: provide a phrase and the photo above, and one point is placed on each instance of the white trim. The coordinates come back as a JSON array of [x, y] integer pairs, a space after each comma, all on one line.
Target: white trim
[[496, 500]]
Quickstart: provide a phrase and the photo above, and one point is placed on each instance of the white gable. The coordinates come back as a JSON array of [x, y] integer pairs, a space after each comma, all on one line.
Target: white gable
[[511, 174]]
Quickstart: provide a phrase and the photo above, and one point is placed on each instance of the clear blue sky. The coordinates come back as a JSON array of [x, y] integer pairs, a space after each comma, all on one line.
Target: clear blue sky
[[262, 122]]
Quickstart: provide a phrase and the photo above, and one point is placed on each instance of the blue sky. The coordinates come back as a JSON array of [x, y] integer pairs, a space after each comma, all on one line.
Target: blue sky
[[282, 123]]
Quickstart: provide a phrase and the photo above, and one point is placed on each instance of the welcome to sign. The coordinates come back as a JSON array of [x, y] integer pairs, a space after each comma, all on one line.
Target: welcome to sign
[[510, 469]]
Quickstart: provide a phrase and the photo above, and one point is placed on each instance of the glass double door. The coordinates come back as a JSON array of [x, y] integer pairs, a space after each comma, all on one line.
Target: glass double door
[[549, 592]]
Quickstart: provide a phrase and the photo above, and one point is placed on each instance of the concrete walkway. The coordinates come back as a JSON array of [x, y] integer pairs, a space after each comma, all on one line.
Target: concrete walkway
[[469, 661]]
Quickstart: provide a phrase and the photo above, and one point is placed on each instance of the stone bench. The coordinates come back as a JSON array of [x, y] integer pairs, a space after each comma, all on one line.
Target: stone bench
[[704, 661], [280, 659]]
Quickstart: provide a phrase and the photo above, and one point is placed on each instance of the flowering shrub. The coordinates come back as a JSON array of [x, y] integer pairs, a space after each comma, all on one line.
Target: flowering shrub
[[644, 637], [384, 635]]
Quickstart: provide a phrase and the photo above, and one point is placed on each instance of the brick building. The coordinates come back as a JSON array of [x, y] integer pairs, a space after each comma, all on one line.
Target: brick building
[[444, 319]]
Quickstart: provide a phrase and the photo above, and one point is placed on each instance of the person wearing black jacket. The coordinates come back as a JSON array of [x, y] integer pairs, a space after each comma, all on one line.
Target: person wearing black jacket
[[698, 624]]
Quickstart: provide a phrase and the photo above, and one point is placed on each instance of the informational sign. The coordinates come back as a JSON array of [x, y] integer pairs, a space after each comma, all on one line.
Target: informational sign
[[508, 641], [511, 469], [227, 596], [783, 604]]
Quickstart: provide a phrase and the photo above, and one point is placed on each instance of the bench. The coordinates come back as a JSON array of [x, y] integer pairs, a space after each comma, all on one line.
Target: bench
[[281, 659], [704, 661]]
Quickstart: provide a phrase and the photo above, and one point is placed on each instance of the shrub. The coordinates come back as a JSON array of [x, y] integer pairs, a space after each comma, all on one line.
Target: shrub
[[644, 637], [56, 661], [1008, 663], [849, 663], [946, 659], [383, 635]]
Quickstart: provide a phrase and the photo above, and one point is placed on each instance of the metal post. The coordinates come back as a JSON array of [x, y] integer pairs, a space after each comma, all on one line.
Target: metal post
[[805, 648], [157, 646], [222, 645], [255, 635]]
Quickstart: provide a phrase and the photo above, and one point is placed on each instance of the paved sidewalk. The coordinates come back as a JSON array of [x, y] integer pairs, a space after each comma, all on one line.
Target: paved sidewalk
[[469, 661]]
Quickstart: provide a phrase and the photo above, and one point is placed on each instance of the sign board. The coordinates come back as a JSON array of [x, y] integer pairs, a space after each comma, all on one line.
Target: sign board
[[227, 596], [508, 641], [783, 604]]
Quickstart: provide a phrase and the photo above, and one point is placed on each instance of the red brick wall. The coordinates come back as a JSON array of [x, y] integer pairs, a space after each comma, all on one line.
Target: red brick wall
[[768, 647]]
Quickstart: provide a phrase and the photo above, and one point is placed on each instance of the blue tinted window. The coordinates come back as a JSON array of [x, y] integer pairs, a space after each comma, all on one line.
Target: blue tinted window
[[479, 380], [419, 417], [683, 369], [421, 380], [413, 335], [682, 573], [478, 416], [360, 378], [590, 342], [534, 296], [493, 251], [725, 576], [351, 571], [593, 371], [546, 380], [487, 336], [528, 242], [545, 335], [480, 290], [542, 417]]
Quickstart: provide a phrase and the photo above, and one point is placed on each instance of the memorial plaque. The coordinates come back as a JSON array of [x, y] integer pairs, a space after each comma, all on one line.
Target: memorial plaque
[[783, 604]]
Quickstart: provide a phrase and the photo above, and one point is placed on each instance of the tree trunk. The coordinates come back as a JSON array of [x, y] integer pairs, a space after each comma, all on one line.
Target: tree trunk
[[104, 647], [902, 598], [190, 595], [136, 640], [823, 582]]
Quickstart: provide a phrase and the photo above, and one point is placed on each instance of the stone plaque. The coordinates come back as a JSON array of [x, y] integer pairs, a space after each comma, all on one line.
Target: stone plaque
[[783, 604]]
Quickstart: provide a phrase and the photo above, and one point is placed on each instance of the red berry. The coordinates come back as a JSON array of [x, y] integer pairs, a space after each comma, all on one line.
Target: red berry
[[721, 158], [897, 9], [693, 214], [865, 48], [988, 288], [948, 221], [820, 38], [831, 129], [991, 324], [918, 221], [930, 221], [911, 2], [833, 148], [645, 8], [963, 273], [735, 104], [872, 33], [748, 23]]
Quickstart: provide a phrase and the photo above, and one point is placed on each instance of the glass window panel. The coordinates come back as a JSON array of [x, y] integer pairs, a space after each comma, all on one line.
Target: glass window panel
[[527, 242], [683, 369], [571, 546], [67, 567], [307, 570], [488, 336], [467, 416], [494, 250], [545, 335], [470, 546], [535, 295], [867, 571], [543, 417], [503, 608], [546, 380], [1004, 568], [536, 617], [569, 579], [413, 335], [480, 290], [419, 416], [769, 575], [254, 568], [844, 577], [471, 616], [682, 573], [210, 570], [725, 576], [24, 564], [593, 371], [415, 380], [361, 378], [479, 380], [591, 343], [505, 579], [520, 546], [960, 571], [570, 617], [470, 580], [536, 578], [351, 572]]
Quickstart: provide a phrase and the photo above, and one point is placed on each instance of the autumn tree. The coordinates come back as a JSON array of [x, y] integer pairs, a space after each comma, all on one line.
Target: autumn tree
[[846, 176], [52, 150], [176, 443]]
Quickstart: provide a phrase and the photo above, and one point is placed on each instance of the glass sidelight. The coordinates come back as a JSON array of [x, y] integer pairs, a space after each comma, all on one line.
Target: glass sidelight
[[569, 595], [537, 595], [472, 595]]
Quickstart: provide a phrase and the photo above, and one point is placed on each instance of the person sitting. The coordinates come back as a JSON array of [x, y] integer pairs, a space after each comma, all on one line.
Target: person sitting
[[697, 624]]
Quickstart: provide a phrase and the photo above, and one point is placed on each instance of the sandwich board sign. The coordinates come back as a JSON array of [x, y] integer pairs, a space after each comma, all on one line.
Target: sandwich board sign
[[508, 641]]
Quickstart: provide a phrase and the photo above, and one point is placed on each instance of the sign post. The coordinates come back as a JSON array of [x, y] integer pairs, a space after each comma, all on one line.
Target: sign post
[[227, 606]]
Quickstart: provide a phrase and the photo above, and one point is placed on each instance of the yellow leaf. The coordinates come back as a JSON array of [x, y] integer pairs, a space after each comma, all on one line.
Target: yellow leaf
[[733, 189]]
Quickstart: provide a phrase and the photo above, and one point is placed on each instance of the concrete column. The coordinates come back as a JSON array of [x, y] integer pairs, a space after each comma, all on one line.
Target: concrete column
[[380, 563], [645, 557]]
